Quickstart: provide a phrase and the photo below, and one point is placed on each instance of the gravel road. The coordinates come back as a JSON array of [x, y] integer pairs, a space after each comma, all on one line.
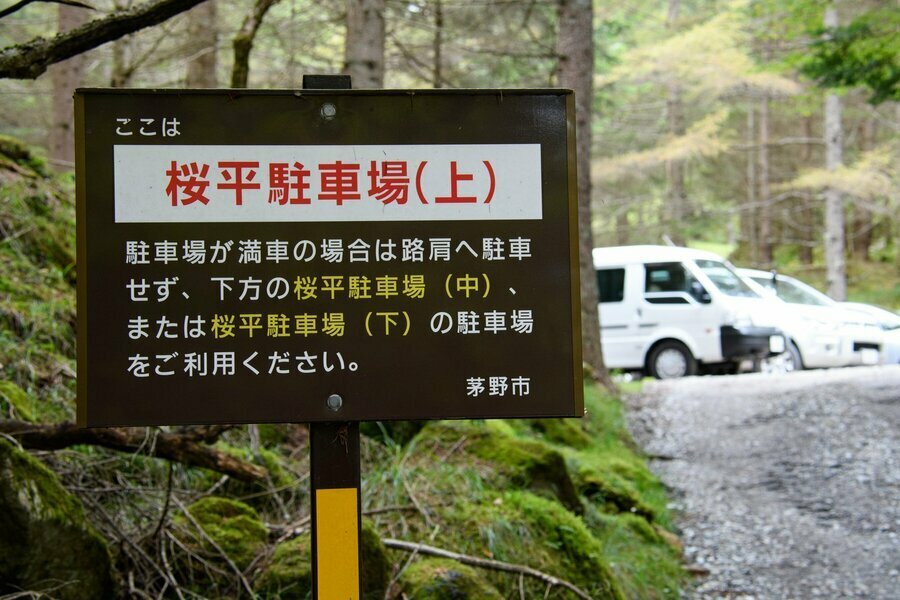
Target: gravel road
[[783, 486]]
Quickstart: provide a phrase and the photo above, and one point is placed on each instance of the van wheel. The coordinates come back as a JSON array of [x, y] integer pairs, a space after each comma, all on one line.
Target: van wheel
[[671, 360], [792, 359]]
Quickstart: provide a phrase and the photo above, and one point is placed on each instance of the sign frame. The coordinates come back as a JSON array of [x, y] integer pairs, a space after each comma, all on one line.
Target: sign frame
[[318, 410]]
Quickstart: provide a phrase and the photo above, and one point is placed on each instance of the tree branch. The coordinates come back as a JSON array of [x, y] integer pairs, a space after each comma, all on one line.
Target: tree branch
[[31, 59], [484, 563], [243, 42], [23, 3], [179, 447]]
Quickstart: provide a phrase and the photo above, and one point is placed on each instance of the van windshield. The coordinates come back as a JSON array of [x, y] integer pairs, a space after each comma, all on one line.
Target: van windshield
[[725, 279]]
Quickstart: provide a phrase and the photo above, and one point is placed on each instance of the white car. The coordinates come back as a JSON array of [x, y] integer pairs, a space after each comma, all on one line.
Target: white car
[[890, 326], [820, 332]]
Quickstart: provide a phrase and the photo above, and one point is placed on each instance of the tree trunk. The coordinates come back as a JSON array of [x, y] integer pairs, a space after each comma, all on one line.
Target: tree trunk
[[66, 76], [835, 263], [622, 226], [765, 208], [364, 43], [862, 217], [808, 213], [438, 43], [203, 39], [748, 213], [575, 48], [120, 73], [676, 196], [243, 42]]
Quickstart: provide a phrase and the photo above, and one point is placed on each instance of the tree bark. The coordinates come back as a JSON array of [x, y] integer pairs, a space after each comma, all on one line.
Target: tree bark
[[835, 263], [66, 77], [201, 49], [765, 208], [808, 214], [575, 48], [676, 196], [438, 44], [748, 214], [31, 59], [119, 73], [186, 446], [364, 43], [243, 42]]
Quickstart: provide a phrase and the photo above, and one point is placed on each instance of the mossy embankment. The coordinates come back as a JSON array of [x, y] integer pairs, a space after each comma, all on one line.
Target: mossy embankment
[[572, 498]]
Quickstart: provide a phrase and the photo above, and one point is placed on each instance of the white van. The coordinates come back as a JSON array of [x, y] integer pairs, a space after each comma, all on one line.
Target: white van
[[672, 312]]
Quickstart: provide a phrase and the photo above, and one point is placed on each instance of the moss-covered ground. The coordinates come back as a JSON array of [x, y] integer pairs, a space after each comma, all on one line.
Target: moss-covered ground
[[570, 497]]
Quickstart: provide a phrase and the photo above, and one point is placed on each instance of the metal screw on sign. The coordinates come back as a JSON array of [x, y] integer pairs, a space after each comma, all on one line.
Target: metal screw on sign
[[328, 111], [334, 402]]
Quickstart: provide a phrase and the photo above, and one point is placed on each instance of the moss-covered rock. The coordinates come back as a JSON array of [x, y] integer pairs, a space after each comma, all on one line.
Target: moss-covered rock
[[375, 567], [441, 579], [565, 432], [47, 542], [613, 493], [14, 402], [526, 463], [235, 527], [523, 528], [287, 576], [15, 152]]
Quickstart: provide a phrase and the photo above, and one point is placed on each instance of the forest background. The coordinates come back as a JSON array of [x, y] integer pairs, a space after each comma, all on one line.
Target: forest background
[[764, 130]]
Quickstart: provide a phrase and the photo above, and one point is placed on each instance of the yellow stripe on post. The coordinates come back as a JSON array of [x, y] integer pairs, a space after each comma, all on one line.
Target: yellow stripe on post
[[337, 544]]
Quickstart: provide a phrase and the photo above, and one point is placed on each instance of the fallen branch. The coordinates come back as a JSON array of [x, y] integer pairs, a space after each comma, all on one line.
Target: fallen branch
[[31, 59], [182, 447], [484, 563]]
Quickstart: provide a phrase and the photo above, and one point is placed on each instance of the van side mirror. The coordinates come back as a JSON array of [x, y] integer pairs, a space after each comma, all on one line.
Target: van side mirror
[[699, 293]]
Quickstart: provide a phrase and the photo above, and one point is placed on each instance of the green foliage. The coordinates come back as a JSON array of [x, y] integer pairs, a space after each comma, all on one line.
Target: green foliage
[[442, 579], [37, 297], [391, 432], [866, 52], [46, 538]]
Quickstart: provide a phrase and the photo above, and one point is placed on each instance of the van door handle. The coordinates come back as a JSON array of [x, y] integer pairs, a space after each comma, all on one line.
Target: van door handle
[[640, 313]]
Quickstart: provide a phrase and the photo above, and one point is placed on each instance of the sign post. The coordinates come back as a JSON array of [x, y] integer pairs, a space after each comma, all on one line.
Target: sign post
[[381, 254], [334, 465]]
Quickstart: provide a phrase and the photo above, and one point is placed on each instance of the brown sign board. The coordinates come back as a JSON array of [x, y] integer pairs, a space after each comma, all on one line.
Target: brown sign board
[[245, 255]]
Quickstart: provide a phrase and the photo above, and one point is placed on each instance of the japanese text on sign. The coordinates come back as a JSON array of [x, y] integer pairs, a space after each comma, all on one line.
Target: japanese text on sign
[[327, 183]]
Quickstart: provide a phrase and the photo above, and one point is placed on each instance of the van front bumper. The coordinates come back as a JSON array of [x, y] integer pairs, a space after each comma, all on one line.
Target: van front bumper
[[749, 342]]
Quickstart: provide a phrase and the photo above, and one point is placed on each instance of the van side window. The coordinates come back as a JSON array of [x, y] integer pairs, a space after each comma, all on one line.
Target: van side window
[[670, 283], [611, 285], [667, 277]]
